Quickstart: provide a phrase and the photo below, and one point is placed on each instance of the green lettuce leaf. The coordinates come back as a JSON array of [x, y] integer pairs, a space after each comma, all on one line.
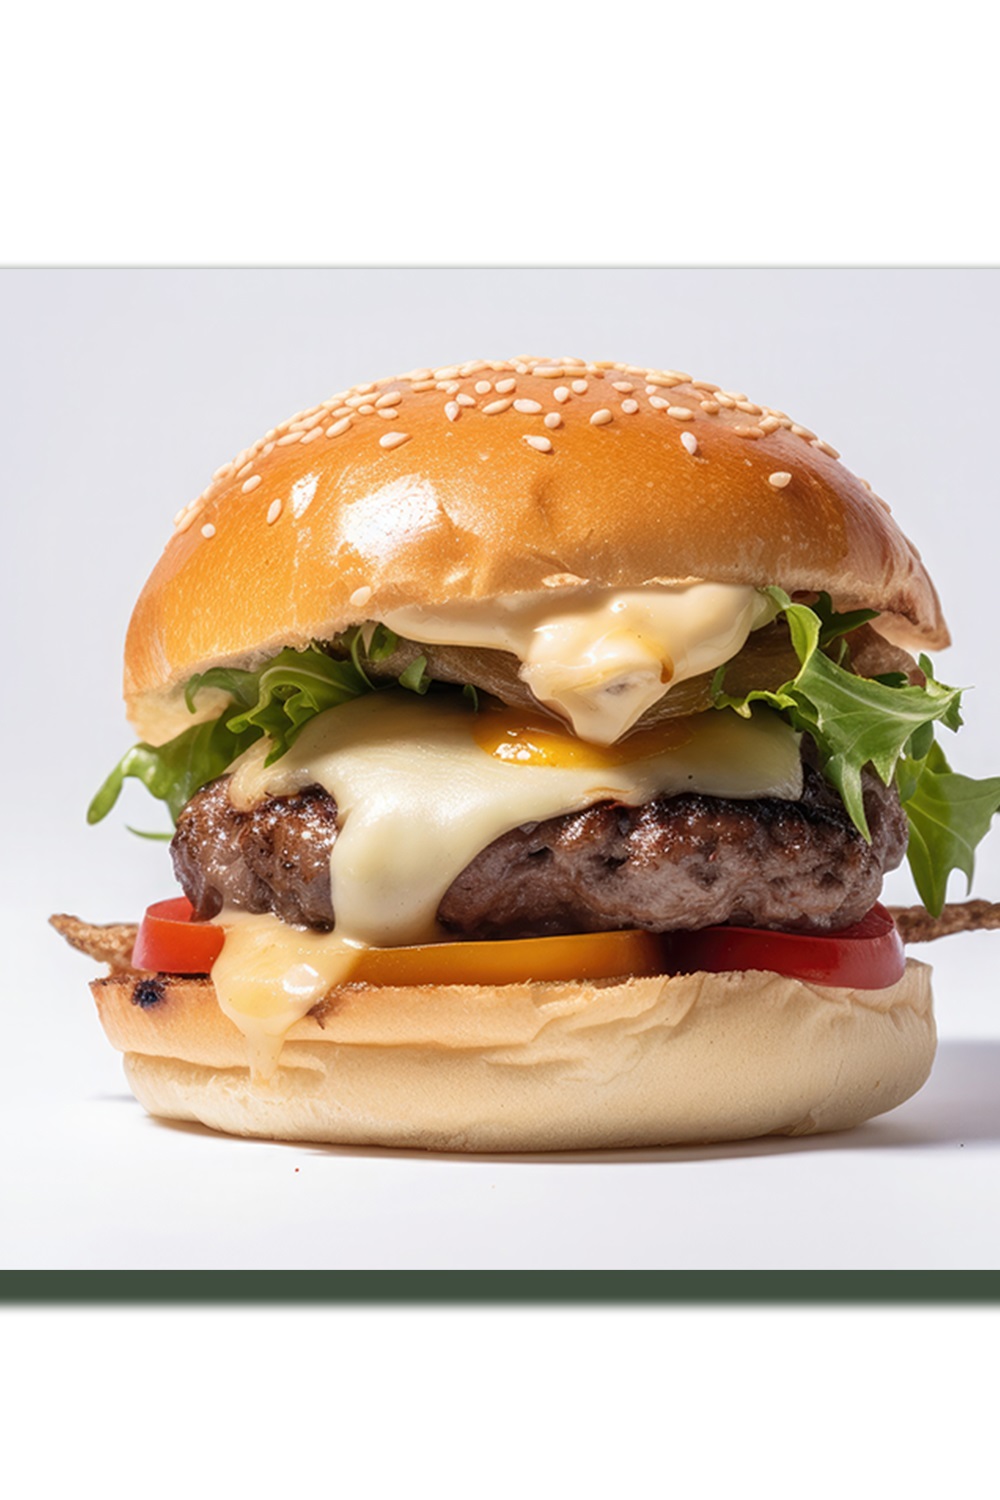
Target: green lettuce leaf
[[854, 721], [949, 815], [278, 700], [285, 693], [173, 772], [888, 724]]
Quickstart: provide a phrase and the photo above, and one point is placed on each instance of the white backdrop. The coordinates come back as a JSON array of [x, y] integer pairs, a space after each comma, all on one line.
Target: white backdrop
[[122, 392]]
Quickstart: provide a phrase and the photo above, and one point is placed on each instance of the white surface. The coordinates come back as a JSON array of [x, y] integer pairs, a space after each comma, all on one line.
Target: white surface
[[123, 392]]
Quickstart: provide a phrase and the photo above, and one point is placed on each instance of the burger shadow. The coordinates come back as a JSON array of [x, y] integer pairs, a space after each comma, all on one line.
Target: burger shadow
[[958, 1107]]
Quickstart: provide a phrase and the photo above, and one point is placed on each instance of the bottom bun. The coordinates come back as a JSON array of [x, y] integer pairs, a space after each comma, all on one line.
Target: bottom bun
[[695, 1058]]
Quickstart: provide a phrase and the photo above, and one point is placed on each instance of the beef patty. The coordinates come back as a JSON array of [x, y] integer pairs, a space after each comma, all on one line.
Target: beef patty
[[676, 862]]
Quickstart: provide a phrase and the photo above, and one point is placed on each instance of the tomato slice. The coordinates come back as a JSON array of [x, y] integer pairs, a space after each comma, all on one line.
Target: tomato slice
[[867, 956], [169, 942]]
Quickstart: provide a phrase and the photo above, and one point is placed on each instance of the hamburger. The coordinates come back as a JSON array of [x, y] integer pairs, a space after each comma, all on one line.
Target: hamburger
[[536, 734]]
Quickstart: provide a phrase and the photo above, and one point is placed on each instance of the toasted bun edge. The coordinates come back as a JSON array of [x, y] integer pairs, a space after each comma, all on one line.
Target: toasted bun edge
[[636, 1062]]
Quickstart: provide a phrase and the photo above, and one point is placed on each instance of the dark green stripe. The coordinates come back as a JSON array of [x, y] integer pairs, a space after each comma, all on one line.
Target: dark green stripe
[[484, 1287]]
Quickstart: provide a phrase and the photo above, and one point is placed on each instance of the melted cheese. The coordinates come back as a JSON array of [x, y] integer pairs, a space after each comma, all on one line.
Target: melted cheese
[[270, 975], [601, 658], [422, 785]]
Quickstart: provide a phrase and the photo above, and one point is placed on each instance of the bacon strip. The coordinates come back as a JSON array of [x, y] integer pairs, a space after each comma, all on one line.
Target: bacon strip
[[111, 944], [916, 925]]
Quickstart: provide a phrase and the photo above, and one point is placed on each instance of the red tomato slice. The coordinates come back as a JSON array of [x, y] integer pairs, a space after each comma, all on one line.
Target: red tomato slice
[[867, 956], [168, 942]]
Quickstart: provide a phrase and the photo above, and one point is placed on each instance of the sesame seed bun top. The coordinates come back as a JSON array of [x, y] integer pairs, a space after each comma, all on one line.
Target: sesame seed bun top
[[497, 478]]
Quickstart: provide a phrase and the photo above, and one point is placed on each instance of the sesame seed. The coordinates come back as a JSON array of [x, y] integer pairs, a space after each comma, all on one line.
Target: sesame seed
[[802, 432], [221, 473], [355, 401], [361, 596], [185, 522], [393, 439], [749, 432], [366, 410], [769, 424], [689, 441], [273, 512], [561, 393], [503, 386], [580, 386], [338, 427], [267, 448], [386, 411], [494, 407], [482, 386], [659, 404], [622, 385], [465, 400], [724, 400], [825, 448], [530, 408], [208, 530], [735, 396], [447, 372], [307, 437], [246, 469], [628, 407], [681, 413], [542, 444], [391, 398], [600, 417], [711, 407], [423, 385], [251, 484], [553, 419], [749, 406], [453, 411], [779, 479], [549, 372], [362, 390], [663, 380]]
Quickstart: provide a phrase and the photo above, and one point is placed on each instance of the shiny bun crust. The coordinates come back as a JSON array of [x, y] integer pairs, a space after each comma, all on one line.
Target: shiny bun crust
[[539, 1067], [502, 477]]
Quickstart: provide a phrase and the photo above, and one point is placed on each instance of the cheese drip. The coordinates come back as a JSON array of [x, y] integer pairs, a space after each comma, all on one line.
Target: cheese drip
[[422, 785], [598, 657]]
